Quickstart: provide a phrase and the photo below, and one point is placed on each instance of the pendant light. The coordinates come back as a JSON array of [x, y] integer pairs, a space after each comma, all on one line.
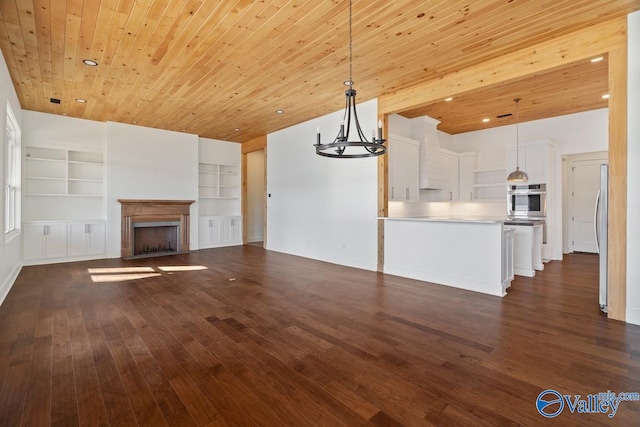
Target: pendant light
[[341, 147], [517, 175]]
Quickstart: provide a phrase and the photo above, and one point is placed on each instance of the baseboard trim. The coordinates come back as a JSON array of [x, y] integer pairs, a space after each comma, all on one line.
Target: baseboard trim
[[9, 282], [633, 316]]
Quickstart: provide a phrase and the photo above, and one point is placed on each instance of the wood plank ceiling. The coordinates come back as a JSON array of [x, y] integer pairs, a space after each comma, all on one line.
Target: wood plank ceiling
[[211, 67]]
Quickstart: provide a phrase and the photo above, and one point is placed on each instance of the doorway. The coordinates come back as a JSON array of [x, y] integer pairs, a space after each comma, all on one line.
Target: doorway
[[255, 198], [583, 184]]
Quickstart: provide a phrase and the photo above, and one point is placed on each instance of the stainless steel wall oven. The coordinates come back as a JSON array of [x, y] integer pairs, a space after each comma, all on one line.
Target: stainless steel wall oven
[[527, 201]]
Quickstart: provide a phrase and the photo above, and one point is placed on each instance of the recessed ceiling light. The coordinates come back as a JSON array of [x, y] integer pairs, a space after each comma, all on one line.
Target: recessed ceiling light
[[237, 129], [280, 111], [605, 96], [449, 99], [134, 122], [598, 59], [90, 62], [64, 114], [81, 100], [486, 120]]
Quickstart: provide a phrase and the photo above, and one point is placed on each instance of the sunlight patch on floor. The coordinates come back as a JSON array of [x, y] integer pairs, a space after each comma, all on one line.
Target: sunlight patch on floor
[[123, 274]]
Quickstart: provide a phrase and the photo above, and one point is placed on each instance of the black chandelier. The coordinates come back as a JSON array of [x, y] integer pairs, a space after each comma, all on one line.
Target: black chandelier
[[341, 147]]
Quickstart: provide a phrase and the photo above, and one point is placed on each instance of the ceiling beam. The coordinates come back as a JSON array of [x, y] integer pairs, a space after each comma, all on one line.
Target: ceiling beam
[[595, 40]]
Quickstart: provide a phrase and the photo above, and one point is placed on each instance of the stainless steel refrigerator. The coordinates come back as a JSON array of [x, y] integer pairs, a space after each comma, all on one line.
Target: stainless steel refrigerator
[[600, 227]]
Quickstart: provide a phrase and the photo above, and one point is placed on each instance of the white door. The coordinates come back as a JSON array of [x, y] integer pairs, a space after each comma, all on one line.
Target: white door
[[97, 238], [77, 239], [56, 241], [34, 239], [585, 183]]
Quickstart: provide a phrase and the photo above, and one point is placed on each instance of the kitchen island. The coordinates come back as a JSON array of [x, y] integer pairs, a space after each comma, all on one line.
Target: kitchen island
[[467, 253]]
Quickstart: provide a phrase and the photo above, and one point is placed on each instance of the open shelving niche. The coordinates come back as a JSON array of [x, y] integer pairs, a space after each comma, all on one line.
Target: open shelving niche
[[490, 184], [218, 189], [62, 184]]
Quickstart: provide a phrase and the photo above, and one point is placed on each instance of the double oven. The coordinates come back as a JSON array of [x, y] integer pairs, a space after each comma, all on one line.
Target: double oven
[[527, 204], [527, 201]]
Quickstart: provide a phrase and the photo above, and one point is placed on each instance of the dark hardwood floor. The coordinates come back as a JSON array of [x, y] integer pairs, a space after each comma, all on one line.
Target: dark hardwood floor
[[241, 336]]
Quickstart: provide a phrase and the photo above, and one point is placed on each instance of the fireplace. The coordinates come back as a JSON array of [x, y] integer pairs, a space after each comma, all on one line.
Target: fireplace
[[156, 238], [154, 227]]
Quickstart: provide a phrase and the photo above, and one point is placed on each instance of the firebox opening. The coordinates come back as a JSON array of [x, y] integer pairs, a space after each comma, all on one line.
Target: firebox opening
[[156, 238]]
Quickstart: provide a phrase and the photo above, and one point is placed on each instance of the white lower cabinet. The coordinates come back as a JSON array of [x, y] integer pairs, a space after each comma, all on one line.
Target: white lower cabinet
[[403, 169], [527, 249], [507, 255], [44, 241], [215, 231], [59, 241], [86, 238], [537, 248]]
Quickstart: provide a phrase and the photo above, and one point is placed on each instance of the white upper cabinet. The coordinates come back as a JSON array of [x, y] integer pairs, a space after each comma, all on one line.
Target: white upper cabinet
[[534, 159], [467, 164], [403, 169]]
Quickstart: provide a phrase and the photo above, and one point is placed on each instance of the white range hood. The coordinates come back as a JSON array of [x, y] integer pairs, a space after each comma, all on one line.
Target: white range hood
[[433, 172]]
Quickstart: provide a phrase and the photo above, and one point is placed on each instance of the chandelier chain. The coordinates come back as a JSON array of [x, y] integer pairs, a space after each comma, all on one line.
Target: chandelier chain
[[350, 48]]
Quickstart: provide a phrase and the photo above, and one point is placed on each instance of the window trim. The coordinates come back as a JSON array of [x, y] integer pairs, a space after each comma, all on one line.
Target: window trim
[[12, 147]]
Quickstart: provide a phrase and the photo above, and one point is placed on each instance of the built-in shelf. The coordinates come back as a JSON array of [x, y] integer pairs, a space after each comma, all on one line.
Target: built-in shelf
[[218, 189], [490, 184], [61, 172]]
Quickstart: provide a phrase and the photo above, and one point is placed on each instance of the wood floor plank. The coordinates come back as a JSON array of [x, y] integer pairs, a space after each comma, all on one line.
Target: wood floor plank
[[37, 408], [293, 341]]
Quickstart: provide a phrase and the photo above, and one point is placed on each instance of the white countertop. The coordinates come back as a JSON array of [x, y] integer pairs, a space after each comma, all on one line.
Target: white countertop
[[477, 220]]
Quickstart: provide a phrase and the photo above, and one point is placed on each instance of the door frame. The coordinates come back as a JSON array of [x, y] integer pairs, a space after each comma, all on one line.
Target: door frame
[[568, 185], [250, 146]]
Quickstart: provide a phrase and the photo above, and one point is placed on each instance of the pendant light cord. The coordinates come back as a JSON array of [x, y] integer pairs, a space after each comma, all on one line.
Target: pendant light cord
[[517, 135], [350, 49]]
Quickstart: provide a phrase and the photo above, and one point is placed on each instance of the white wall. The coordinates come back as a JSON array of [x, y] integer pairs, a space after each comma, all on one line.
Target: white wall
[[633, 170], [573, 133], [10, 250], [146, 163], [322, 208], [255, 196]]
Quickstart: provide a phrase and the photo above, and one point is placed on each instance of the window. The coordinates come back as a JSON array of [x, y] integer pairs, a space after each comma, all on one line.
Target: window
[[12, 175]]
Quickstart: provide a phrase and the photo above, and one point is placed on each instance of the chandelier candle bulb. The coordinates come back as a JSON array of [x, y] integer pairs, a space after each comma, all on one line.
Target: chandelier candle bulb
[[379, 130]]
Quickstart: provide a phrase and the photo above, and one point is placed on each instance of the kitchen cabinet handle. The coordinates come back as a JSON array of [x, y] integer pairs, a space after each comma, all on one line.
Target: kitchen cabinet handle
[[406, 193], [470, 195], [450, 195], [392, 192], [45, 230]]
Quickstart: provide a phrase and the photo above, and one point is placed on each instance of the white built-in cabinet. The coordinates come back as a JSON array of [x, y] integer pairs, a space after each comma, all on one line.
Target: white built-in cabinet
[[44, 241], [507, 255], [527, 249], [86, 238], [534, 158], [217, 231], [403, 168], [453, 180], [537, 159], [467, 165], [219, 183], [63, 204]]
